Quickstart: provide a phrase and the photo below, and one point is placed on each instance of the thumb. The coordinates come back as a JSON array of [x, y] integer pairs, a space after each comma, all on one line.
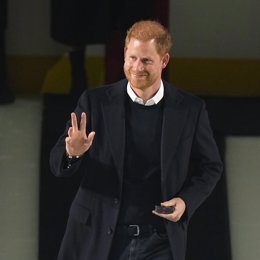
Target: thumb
[[91, 137], [169, 203]]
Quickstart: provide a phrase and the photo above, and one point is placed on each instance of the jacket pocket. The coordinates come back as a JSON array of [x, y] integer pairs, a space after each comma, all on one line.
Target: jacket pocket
[[80, 214]]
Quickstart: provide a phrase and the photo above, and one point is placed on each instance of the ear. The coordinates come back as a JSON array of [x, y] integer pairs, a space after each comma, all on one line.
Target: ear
[[165, 60]]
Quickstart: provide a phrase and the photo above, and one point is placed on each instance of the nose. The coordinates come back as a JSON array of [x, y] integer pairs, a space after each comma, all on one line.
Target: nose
[[138, 65]]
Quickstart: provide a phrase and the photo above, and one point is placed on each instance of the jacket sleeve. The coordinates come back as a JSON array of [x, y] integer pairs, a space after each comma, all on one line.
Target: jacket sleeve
[[205, 167]]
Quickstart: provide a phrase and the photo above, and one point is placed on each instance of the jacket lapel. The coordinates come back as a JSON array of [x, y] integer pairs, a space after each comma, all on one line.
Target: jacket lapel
[[114, 117], [174, 117]]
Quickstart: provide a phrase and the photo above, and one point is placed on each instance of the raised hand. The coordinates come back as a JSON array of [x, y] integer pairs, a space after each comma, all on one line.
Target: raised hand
[[77, 141]]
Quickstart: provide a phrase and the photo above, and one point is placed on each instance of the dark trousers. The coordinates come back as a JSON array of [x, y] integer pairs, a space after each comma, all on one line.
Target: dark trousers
[[153, 247]]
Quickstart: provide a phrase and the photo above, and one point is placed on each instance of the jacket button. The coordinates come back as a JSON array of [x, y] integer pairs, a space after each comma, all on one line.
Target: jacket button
[[109, 231], [116, 201]]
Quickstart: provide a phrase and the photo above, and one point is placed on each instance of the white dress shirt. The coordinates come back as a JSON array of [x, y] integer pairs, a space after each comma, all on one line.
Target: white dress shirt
[[150, 102]]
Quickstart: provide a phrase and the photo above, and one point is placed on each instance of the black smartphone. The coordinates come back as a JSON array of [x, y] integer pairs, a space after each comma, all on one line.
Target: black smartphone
[[164, 209]]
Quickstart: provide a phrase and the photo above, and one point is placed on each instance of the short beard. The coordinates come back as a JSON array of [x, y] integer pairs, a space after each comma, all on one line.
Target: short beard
[[135, 83]]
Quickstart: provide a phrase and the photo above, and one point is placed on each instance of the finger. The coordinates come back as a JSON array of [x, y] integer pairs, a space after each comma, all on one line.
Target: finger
[[83, 122], [74, 122], [166, 216], [70, 132], [171, 217], [67, 142], [91, 138], [169, 203], [67, 139]]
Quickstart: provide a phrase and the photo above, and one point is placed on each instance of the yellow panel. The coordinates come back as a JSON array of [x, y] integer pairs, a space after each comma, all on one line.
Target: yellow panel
[[205, 77], [217, 77], [40, 74]]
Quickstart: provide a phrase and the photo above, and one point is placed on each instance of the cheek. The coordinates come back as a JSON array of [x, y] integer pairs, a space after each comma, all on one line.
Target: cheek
[[126, 69], [127, 66]]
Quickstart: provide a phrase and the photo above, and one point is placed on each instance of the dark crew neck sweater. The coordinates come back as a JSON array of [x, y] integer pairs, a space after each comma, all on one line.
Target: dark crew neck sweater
[[142, 172]]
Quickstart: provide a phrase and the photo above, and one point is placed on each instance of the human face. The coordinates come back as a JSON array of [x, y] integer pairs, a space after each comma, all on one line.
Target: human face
[[143, 65]]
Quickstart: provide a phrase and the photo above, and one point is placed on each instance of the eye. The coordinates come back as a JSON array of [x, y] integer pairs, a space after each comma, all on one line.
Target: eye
[[132, 58], [147, 61]]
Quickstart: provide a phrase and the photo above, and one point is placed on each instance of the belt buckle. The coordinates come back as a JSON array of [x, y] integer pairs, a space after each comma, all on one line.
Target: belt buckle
[[137, 233]]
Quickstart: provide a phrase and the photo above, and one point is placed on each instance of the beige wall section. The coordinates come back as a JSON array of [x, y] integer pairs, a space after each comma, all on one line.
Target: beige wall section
[[216, 29], [20, 131], [242, 168], [28, 29]]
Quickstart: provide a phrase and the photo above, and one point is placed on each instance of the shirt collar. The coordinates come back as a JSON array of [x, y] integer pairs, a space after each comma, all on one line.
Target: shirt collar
[[152, 101]]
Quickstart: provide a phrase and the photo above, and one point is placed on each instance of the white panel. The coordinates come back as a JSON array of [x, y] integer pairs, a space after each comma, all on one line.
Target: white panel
[[216, 28], [243, 185], [20, 125]]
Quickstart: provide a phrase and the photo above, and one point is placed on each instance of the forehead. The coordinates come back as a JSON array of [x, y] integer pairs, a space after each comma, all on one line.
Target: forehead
[[138, 46]]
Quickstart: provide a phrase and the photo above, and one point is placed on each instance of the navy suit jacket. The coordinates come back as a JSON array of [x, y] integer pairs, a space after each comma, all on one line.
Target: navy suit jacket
[[190, 168]]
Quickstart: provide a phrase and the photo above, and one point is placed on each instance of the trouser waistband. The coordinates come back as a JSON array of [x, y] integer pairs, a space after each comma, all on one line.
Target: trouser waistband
[[134, 230]]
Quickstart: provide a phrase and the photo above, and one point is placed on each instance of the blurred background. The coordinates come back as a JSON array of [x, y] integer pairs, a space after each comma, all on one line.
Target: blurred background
[[50, 51]]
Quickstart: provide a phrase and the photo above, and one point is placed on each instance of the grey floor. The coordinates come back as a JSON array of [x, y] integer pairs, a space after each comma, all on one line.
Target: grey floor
[[20, 133]]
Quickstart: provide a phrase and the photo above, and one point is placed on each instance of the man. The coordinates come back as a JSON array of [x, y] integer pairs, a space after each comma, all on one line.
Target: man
[[138, 143]]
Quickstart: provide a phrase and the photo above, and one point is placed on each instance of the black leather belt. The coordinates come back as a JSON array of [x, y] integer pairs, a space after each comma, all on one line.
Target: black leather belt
[[140, 230]]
